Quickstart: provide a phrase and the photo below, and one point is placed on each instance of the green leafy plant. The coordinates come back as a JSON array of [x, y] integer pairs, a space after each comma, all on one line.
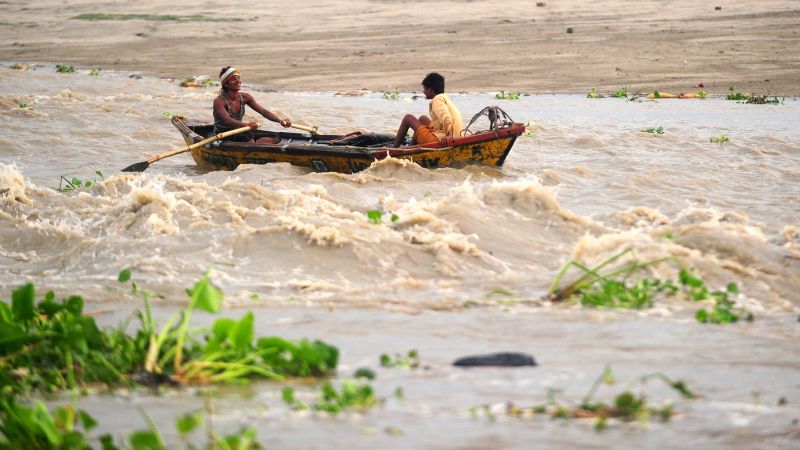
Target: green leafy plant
[[659, 130], [376, 216], [228, 353], [594, 94], [65, 185], [353, 394], [410, 360], [24, 106], [719, 139], [733, 95], [570, 30], [618, 289], [764, 100], [51, 345], [94, 72], [34, 427], [625, 407], [529, 130], [392, 95], [621, 93], [702, 94], [63, 68], [503, 95]]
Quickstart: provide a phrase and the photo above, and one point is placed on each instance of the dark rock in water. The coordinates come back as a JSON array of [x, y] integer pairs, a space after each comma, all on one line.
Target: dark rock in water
[[496, 359]]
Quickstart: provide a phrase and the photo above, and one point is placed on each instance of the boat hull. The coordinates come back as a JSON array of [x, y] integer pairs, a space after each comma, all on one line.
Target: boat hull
[[316, 153]]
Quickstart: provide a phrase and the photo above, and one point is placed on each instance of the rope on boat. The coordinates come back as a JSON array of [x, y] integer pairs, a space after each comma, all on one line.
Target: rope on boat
[[497, 119]]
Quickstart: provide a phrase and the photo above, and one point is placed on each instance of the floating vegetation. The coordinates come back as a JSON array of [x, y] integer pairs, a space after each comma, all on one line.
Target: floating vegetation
[[197, 81], [529, 131], [594, 94], [764, 100], [376, 216], [154, 17], [52, 345], [94, 73], [659, 130], [63, 68], [34, 427], [719, 139], [621, 92], [732, 95], [570, 30], [410, 360], [65, 185], [503, 95], [392, 95], [618, 289], [25, 106], [355, 394], [626, 406], [702, 94]]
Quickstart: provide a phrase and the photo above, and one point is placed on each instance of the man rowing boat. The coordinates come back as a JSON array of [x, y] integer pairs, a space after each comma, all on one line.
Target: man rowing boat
[[229, 109]]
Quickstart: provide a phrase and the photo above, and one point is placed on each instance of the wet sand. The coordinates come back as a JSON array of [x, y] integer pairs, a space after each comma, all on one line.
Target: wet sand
[[478, 45]]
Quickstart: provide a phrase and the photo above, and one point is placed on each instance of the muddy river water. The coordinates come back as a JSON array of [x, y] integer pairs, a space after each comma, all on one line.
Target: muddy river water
[[461, 271]]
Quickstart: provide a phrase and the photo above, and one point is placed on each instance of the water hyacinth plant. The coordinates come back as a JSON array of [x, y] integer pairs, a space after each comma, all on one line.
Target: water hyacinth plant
[[63, 68], [503, 95], [52, 345], [659, 130], [625, 407], [618, 288]]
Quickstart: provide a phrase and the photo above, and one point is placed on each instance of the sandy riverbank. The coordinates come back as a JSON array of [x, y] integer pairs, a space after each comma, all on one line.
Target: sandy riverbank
[[479, 45]]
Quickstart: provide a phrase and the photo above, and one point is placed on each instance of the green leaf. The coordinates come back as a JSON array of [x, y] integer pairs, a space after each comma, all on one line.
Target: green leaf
[[364, 372], [124, 275], [188, 422], [288, 395], [107, 442], [206, 296], [22, 300], [145, 440], [241, 335], [733, 288], [87, 421], [74, 305], [374, 216]]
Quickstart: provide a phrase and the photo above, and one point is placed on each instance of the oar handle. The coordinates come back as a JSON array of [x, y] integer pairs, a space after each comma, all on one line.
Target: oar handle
[[216, 137], [312, 130]]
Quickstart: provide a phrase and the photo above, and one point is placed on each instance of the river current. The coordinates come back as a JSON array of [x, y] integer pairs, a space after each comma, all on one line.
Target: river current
[[461, 270]]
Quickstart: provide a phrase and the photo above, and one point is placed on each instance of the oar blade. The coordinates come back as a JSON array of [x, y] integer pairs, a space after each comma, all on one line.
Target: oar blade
[[137, 167]]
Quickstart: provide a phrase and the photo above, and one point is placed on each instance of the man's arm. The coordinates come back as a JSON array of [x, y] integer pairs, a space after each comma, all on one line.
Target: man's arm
[[269, 115]]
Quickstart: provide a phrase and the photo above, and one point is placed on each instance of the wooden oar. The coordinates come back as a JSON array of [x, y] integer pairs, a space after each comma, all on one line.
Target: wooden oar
[[313, 130], [143, 165]]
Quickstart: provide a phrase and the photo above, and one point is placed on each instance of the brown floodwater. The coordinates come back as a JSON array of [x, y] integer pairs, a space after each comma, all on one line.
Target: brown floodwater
[[462, 270]]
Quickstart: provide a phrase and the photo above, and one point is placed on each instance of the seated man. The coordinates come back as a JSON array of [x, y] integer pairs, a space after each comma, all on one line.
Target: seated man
[[445, 120]]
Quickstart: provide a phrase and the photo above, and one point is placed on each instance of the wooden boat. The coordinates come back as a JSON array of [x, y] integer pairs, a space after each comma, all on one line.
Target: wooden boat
[[356, 151]]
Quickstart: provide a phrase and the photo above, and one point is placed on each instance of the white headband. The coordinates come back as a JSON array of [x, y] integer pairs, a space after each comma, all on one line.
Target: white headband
[[229, 72]]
